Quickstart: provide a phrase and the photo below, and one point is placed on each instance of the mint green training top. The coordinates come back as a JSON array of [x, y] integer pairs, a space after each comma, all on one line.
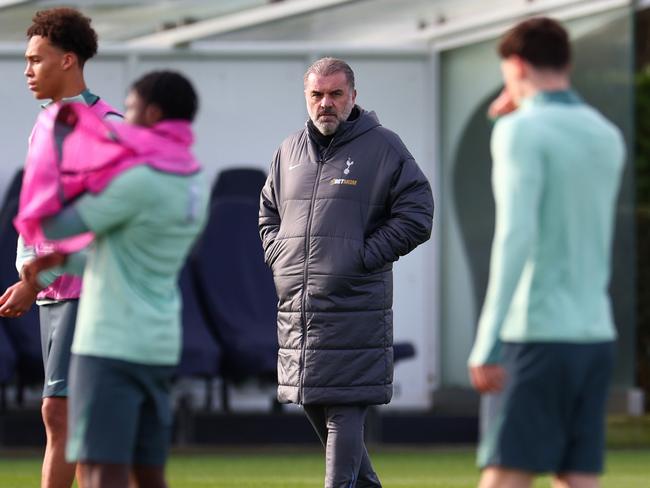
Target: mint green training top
[[557, 166], [145, 222]]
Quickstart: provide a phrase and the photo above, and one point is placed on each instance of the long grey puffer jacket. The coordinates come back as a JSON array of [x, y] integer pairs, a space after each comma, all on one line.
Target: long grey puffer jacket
[[331, 226]]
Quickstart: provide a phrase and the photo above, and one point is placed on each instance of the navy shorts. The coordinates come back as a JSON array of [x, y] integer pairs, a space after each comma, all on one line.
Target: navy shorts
[[57, 330], [119, 412], [552, 415]]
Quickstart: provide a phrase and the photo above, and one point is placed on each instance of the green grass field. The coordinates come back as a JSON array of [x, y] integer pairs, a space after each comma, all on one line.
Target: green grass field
[[405, 468], [628, 465]]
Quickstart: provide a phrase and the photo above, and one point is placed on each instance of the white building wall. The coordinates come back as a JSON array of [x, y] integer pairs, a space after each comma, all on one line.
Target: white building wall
[[250, 101]]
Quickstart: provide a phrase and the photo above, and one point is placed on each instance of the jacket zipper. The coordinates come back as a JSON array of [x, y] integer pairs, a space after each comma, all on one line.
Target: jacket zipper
[[305, 275]]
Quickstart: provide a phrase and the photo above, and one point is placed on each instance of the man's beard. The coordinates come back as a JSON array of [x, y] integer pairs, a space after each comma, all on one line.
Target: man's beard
[[328, 128]]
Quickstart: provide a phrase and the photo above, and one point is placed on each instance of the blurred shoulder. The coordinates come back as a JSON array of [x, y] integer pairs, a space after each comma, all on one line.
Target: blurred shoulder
[[520, 120]]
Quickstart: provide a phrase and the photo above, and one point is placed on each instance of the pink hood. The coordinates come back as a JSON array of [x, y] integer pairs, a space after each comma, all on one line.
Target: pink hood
[[73, 151]]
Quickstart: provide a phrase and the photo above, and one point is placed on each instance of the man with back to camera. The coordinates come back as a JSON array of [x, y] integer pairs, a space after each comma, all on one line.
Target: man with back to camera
[[546, 335], [344, 199], [61, 40]]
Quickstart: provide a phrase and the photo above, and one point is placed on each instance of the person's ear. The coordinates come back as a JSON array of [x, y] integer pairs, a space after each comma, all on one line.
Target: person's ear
[[68, 60], [521, 67], [152, 114]]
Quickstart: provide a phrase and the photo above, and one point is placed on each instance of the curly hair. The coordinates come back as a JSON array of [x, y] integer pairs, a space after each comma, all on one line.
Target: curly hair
[[172, 92], [67, 29]]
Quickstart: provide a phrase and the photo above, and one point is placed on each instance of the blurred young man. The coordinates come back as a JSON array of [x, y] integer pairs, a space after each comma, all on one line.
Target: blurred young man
[[546, 334], [343, 201], [127, 340], [61, 40]]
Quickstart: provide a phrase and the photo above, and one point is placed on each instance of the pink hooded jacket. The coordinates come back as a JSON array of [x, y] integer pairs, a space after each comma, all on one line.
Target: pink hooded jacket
[[65, 286], [73, 151]]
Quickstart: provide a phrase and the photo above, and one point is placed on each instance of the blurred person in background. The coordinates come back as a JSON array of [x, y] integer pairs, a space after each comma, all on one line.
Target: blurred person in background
[[61, 40], [546, 335], [145, 204], [344, 199]]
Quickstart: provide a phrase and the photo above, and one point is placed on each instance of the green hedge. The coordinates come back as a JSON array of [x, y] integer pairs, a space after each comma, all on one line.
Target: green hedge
[[642, 177], [642, 139]]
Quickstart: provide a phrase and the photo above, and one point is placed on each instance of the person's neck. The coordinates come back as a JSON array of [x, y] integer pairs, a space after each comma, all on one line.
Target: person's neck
[[71, 89], [545, 84]]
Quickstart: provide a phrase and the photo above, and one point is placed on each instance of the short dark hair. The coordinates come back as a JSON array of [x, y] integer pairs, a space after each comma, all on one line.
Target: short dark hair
[[541, 41], [171, 92], [328, 66], [67, 29]]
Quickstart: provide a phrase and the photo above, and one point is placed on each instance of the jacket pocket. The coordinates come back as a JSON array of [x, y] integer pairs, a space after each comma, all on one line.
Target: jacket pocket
[[271, 254], [369, 261]]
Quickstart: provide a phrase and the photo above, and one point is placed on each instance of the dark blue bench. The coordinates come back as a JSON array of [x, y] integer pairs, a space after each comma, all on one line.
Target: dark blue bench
[[23, 332], [234, 284]]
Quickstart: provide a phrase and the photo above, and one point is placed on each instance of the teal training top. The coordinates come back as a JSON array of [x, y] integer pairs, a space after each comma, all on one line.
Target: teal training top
[[557, 166], [144, 222]]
